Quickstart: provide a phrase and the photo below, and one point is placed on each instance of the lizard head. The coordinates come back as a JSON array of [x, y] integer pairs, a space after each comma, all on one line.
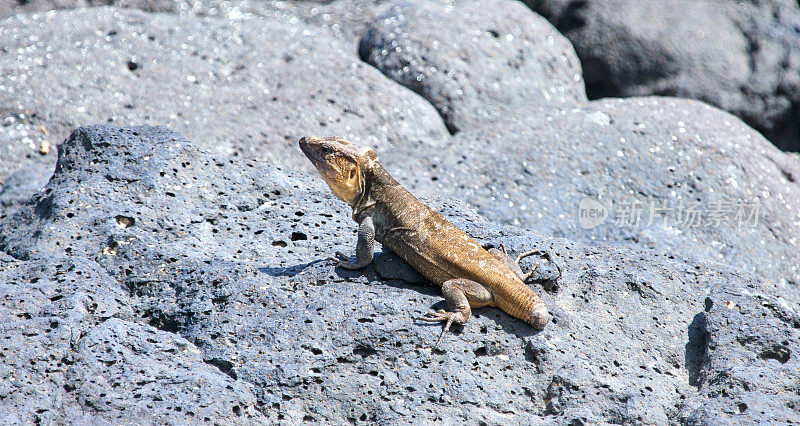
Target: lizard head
[[341, 164]]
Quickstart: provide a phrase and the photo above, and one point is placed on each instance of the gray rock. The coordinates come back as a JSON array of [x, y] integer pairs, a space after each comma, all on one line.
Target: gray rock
[[474, 61], [742, 56], [11, 7], [739, 357], [671, 155], [345, 19], [23, 183], [71, 355], [153, 375], [44, 309], [21, 149], [248, 87], [227, 257]]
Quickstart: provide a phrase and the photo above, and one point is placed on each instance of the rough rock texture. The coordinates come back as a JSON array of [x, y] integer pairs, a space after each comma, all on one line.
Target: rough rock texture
[[232, 86], [345, 19], [10, 7], [72, 352], [745, 340], [742, 56], [150, 282], [474, 61], [670, 154], [143, 257]]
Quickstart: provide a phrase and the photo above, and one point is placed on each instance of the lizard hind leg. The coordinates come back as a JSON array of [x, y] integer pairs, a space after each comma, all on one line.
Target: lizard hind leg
[[513, 263], [461, 295]]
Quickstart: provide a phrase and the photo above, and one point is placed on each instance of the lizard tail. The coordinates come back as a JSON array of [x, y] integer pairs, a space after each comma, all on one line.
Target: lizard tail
[[529, 308], [538, 316]]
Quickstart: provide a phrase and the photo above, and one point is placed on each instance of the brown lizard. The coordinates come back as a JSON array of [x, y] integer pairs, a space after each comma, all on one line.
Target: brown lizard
[[470, 276]]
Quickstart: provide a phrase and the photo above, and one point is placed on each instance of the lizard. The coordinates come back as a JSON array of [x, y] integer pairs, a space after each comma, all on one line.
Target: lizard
[[469, 275]]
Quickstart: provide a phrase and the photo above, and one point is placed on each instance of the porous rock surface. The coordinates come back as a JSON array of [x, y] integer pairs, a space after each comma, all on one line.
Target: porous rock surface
[[670, 155], [741, 56], [475, 61], [150, 280]]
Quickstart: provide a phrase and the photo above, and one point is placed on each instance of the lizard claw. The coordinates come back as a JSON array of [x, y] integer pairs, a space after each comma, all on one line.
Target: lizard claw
[[439, 316], [532, 252], [345, 261], [435, 316], [549, 283], [337, 257]]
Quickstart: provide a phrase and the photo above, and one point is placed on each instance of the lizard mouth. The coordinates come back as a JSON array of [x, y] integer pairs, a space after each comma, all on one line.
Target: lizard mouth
[[316, 149], [307, 146]]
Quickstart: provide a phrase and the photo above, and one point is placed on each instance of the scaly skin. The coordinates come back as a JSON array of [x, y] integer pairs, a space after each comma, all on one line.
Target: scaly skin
[[469, 275]]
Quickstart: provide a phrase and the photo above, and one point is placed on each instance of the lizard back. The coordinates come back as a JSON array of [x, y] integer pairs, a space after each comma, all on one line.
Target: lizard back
[[438, 249]]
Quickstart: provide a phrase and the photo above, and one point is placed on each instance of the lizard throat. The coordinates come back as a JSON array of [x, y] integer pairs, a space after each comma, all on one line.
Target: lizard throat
[[373, 177], [363, 201]]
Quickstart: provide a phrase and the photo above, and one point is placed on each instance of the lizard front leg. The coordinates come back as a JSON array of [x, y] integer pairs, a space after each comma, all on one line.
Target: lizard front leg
[[365, 247], [461, 295]]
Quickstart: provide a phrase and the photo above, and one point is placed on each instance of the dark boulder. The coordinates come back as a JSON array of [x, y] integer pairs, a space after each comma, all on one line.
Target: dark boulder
[[741, 56]]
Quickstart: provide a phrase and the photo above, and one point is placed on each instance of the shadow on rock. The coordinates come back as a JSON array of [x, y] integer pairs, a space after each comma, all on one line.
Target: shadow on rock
[[289, 271], [696, 348]]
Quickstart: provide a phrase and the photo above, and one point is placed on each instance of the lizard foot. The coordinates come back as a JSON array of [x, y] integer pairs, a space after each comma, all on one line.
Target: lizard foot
[[442, 315], [345, 261], [547, 277], [526, 254], [512, 263]]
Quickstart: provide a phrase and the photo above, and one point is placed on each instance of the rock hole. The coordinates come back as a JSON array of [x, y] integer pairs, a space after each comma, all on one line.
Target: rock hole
[[124, 221], [111, 248], [222, 365], [364, 351], [778, 353]]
